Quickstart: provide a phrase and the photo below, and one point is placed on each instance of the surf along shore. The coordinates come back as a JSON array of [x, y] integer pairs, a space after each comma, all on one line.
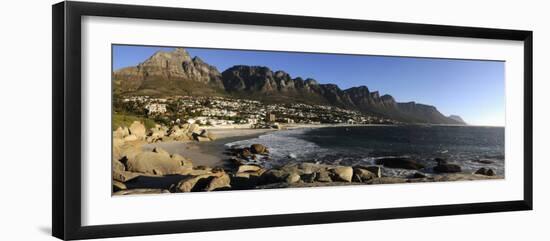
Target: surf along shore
[[191, 158]]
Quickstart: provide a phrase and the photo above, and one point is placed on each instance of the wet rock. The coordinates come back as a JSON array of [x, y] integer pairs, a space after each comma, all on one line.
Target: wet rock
[[485, 171], [444, 167], [400, 162], [258, 149], [376, 170], [418, 175]]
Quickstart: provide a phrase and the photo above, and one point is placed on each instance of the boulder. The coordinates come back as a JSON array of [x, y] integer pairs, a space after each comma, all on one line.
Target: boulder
[[342, 173], [292, 178], [245, 153], [222, 182], [193, 128], [248, 168], [121, 132], [118, 166], [273, 176], [188, 184], [154, 163], [447, 168], [258, 149], [361, 175], [309, 168], [323, 176], [400, 162], [376, 170], [308, 177], [485, 171], [203, 182], [201, 138], [137, 129], [157, 134]]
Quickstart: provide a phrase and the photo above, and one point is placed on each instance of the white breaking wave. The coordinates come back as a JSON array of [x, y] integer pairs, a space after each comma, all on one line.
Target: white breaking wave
[[284, 145]]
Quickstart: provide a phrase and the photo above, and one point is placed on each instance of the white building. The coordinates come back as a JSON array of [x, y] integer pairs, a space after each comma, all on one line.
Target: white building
[[155, 108]]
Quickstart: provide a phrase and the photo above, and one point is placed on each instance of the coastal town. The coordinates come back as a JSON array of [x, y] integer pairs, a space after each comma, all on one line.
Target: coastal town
[[225, 112]]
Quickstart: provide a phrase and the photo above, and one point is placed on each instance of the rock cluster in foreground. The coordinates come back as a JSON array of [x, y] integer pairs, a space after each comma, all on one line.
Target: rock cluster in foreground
[[157, 171]]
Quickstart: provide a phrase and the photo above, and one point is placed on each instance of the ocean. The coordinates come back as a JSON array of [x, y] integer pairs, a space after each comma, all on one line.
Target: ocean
[[362, 145]]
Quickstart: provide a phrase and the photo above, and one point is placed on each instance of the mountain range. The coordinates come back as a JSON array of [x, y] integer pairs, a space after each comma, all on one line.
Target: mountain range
[[177, 73]]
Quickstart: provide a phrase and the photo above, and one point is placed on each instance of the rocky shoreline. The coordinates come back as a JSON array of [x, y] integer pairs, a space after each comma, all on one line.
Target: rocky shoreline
[[135, 171]]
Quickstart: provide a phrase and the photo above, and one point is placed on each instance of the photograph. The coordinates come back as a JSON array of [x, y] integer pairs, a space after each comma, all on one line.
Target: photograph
[[193, 119]]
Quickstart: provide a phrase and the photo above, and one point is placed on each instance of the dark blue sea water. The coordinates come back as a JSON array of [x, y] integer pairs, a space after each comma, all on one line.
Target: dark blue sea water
[[364, 144]]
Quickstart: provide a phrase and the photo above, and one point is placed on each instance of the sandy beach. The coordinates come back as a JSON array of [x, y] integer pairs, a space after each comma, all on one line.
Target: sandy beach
[[210, 154]]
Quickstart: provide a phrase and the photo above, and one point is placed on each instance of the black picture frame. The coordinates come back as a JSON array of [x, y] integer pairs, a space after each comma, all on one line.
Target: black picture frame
[[66, 58]]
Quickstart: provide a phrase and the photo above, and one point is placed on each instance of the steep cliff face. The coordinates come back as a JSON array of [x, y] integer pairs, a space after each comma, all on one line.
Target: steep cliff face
[[170, 73]]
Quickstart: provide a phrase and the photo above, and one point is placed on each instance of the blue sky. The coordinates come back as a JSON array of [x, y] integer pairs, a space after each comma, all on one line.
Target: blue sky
[[470, 88]]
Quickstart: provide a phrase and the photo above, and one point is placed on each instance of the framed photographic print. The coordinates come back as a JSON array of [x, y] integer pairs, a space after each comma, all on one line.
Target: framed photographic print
[[169, 120]]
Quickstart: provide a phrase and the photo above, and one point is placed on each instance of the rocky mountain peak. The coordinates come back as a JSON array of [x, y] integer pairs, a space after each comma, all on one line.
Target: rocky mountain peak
[[176, 72]]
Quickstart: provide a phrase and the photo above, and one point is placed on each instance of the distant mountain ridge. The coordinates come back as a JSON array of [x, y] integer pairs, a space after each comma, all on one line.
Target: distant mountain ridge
[[176, 73]]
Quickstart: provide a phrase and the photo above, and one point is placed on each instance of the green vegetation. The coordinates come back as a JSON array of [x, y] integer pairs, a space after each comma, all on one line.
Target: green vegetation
[[124, 119]]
